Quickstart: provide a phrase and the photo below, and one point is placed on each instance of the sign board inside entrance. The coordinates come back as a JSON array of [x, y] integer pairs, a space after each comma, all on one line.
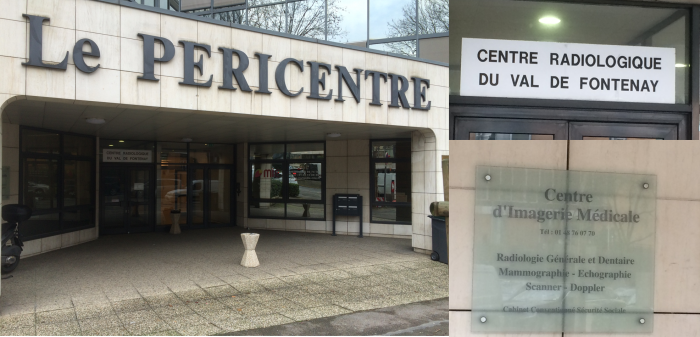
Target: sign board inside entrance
[[572, 71], [563, 251], [127, 156]]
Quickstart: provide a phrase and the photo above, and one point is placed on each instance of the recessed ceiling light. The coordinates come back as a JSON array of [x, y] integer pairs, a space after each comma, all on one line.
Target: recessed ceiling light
[[549, 20], [680, 65], [95, 120], [121, 141], [111, 145], [333, 135], [186, 140]]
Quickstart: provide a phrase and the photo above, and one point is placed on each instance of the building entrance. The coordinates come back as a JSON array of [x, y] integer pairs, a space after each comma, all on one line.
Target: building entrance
[[210, 201], [126, 199]]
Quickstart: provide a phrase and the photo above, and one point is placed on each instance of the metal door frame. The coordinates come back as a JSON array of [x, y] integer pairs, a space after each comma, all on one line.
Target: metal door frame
[[532, 116], [126, 180], [578, 130], [206, 200]]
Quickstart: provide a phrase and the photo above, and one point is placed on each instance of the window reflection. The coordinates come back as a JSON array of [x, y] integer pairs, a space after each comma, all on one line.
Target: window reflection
[[41, 183], [171, 193], [508, 136], [281, 173]]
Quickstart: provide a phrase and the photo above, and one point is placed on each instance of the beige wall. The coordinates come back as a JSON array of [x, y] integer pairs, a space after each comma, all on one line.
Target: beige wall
[[675, 163]]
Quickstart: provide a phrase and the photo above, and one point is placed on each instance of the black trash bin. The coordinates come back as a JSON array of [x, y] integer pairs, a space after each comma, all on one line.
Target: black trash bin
[[439, 239]]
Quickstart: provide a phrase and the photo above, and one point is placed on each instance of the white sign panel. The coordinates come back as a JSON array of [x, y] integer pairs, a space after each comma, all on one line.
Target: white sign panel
[[549, 70], [127, 156]]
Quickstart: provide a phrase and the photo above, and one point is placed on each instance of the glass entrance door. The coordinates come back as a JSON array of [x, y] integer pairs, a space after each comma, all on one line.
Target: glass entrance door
[[210, 196], [126, 196]]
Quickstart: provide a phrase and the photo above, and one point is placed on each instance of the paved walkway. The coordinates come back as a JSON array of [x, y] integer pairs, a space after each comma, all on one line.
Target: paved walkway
[[193, 284]]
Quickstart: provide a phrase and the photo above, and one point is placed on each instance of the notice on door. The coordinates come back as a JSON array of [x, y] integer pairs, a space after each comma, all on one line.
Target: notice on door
[[572, 71], [563, 251], [127, 156]]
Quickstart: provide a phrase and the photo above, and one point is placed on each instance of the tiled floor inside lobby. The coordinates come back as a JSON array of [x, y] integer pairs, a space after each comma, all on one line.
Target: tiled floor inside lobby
[[193, 283]]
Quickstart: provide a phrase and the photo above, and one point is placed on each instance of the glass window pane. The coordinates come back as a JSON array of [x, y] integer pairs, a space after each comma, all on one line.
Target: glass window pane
[[237, 17], [267, 180], [81, 217], [347, 22], [211, 154], [391, 149], [392, 18], [311, 211], [41, 142], [307, 18], [78, 146], [188, 5], [171, 193], [305, 181], [40, 224], [268, 17], [40, 183], [220, 196], [407, 48], [579, 23], [267, 151], [434, 16], [266, 209], [172, 153], [391, 213], [508, 136], [197, 191], [305, 151], [392, 182], [77, 183]]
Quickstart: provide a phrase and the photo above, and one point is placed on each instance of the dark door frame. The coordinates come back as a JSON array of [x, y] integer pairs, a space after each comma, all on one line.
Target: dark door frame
[[125, 177], [205, 198], [527, 115]]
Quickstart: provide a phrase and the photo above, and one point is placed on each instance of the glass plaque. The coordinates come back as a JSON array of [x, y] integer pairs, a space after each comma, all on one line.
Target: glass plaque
[[563, 251]]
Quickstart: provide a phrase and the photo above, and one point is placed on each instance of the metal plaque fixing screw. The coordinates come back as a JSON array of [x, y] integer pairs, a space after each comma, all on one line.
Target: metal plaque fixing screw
[[483, 319], [646, 185], [488, 177], [641, 320]]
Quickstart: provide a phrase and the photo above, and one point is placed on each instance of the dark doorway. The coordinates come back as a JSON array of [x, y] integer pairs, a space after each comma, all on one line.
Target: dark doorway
[[126, 198], [210, 193]]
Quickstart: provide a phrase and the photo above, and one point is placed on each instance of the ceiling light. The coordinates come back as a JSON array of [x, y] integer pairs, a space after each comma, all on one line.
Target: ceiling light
[[333, 135], [121, 141], [111, 145], [186, 140], [95, 120], [549, 20], [680, 65]]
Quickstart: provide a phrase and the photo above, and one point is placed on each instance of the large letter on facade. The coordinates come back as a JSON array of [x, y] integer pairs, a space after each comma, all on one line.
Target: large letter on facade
[[149, 58], [190, 64], [376, 85], [35, 45], [279, 76], [419, 93], [399, 93], [230, 72], [354, 87], [316, 81], [79, 55], [263, 59]]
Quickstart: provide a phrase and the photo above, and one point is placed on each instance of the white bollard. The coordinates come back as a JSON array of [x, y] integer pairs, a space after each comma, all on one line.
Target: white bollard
[[250, 259]]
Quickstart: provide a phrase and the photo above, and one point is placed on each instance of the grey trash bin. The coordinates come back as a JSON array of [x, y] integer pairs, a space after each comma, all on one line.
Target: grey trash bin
[[439, 239]]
